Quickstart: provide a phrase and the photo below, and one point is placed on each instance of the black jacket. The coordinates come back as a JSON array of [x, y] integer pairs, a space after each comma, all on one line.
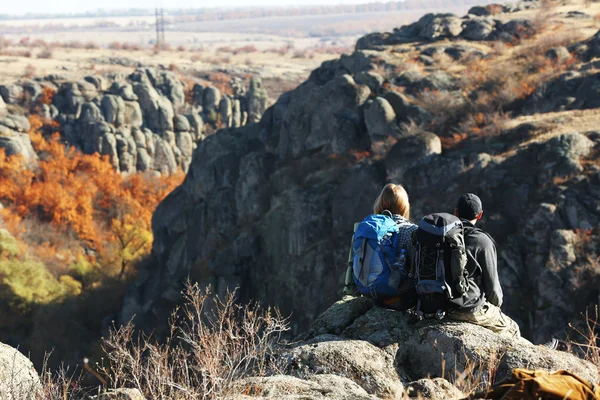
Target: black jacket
[[482, 264]]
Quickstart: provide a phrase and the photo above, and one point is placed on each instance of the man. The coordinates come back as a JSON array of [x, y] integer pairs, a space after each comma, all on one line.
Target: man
[[484, 299]]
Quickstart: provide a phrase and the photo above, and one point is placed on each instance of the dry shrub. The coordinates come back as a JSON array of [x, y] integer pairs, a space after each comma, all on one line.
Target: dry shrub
[[5, 42], [478, 373], [47, 95], [61, 384], [446, 107], [282, 51], [300, 54], [221, 81], [245, 50], [16, 53], [45, 54], [225, 49], [29, 71], [213, 342], [587, 341], [332, 49]]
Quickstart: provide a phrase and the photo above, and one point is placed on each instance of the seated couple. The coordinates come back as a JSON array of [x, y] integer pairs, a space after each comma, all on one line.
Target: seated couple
[[445, 261]]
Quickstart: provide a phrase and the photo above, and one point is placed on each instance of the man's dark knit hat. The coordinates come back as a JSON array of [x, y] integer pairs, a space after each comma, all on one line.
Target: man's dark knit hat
[[469, 206]]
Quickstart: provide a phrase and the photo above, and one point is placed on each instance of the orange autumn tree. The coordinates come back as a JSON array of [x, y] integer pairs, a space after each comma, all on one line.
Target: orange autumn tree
[[82, 195]]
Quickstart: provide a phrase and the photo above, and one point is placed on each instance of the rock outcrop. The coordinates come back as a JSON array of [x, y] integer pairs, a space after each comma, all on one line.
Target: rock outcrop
[[476, 26], [18, 378], [108, 116], [269, 207], [356, 349]]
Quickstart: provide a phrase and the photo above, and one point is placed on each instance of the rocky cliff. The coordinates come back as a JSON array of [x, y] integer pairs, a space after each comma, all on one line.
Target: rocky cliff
[[146, 121], [269, 207]]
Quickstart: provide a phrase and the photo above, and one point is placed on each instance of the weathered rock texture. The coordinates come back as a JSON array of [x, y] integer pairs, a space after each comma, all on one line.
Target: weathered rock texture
[[269, 207], [18, 378], [360, 351], [141, 122]]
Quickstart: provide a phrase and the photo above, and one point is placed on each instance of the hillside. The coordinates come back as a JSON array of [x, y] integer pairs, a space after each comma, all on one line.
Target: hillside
[[499, 104]]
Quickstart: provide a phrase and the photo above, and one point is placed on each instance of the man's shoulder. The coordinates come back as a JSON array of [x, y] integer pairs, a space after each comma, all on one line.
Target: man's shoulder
[[479, 238]]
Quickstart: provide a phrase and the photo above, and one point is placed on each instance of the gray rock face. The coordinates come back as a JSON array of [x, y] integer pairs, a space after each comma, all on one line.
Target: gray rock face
[[423, 345], [438, 26], [132, 114], [181, 124], [434, 389], [359, 361], [11, 94], [113, 108], [14, 122], [287, 190], [316, 387], [157, 110], [211, 98], [380, 119], [478, 29], [410, 152], [226, 111], [258, 100], [15, 143], [18, 378], [558, 54], [164, 158], [198, 95], [384, 353]]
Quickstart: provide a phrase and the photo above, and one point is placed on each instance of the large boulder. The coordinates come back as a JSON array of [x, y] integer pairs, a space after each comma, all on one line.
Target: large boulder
[[431, 348], [211, 97], [478, 28], [157, 110], [15, 143], [380, 119], [440, 26], [434, 389], [11, 93], [18, 378], [409, 152], [113, 108], [258, 100], [18, 123], [359, 361]]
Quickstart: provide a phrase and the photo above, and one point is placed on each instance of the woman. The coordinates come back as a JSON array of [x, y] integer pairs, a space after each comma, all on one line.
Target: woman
[[392, 201]]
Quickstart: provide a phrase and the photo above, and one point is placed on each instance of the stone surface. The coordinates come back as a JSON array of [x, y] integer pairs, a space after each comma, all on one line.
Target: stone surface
[[359, 361], [18, 378], [316, 387], [434, 389], [121, 394]]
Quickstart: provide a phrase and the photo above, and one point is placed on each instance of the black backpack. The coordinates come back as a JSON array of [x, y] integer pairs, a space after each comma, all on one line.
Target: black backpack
[[440, 265]]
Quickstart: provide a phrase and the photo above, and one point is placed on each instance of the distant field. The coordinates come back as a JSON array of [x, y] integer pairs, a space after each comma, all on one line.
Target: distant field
[[140, 30]]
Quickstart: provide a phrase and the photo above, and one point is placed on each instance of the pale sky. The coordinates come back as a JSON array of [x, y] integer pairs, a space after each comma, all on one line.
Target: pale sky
[[78, 6]]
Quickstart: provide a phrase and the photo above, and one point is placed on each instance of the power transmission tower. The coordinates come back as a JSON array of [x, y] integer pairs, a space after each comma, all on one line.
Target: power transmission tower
[[160, 26]]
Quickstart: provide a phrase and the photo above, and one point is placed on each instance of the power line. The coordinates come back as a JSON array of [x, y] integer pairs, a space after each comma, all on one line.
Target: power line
[[160, 26]]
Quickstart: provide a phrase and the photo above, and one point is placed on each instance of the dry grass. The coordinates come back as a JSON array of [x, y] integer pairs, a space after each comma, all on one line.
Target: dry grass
[[213, 342], [479, 373], [587, 342]]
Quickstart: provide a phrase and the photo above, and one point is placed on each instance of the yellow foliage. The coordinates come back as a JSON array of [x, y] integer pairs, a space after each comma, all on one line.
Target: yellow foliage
[[82, 196]]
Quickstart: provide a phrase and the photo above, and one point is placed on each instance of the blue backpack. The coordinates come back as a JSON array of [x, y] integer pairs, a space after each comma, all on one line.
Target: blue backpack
[[378, 264]]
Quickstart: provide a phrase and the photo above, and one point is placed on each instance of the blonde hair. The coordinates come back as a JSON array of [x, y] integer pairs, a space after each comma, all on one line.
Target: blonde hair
[[394, 199]]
